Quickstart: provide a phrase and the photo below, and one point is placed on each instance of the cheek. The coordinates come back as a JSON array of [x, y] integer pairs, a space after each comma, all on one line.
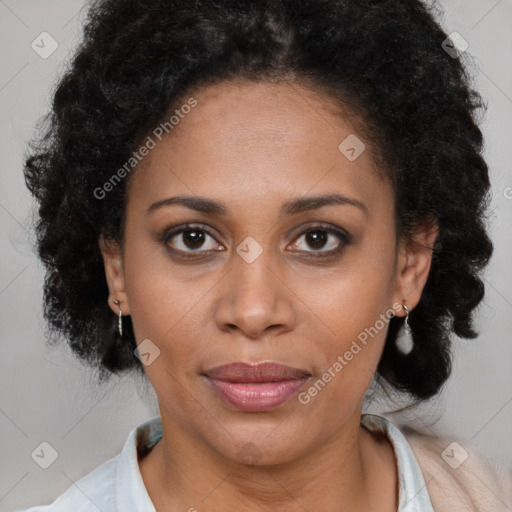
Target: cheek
[[349, 354], [169, 312], [169, 306], [354, 310], [350, 350], [163, 308], [348, 302], [158, 295], [356, 317]]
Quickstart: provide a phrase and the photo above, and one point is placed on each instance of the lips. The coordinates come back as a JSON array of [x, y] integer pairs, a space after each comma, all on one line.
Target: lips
[[256, 387], [262, 372]]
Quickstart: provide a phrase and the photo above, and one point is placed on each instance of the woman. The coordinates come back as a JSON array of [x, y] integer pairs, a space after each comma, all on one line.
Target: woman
[[255, 205]]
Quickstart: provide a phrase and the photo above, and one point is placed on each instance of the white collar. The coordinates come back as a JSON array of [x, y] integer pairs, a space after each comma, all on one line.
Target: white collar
[[131, 493]]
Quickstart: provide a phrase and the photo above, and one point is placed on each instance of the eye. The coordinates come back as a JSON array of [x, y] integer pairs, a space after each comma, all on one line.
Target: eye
[[190, 239], [324, 240]]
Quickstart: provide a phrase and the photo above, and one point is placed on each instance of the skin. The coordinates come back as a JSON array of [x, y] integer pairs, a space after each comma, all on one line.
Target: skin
[[254, 147]]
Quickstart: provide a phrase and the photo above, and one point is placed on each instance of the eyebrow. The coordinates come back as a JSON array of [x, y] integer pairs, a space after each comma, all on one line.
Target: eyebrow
[[291, 207]]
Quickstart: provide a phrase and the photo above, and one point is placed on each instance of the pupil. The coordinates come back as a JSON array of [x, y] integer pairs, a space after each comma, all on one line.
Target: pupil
[[194, 239], [314, 239]]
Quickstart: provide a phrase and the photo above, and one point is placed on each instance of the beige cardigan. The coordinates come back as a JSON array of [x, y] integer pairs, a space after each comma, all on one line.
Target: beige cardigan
[[475, 485]]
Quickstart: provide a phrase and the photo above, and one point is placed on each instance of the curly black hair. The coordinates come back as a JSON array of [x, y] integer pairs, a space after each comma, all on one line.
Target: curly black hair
[[385, 59]]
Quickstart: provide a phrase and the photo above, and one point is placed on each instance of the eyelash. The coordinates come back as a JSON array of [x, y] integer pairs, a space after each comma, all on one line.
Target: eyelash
[[342, 236]]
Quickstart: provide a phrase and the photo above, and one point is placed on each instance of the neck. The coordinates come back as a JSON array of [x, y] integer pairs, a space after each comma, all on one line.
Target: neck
[[351, 471]]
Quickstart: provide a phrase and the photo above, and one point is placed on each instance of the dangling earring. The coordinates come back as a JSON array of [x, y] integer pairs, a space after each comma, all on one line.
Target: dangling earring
[[404, 341], [120, 319]]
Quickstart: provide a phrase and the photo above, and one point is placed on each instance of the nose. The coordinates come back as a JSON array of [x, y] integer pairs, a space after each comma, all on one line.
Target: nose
[[255, 299]]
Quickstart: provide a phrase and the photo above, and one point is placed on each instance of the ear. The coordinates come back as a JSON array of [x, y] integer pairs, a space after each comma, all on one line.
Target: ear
[[413, 266], [114, 274]]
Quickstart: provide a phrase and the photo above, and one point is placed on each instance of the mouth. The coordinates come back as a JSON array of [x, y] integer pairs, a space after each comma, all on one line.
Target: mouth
[[256, 387]]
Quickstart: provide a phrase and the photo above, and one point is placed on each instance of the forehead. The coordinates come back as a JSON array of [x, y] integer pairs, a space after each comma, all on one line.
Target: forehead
[[263, 141]]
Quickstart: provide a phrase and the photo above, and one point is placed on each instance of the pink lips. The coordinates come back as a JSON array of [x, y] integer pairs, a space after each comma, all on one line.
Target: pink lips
[[256, 387]]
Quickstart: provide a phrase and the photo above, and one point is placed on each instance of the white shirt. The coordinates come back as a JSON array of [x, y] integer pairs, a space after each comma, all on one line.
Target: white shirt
[[117, 485]]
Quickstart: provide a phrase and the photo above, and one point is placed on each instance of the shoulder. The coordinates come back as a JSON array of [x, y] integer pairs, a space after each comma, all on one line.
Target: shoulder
[[95, 491], [116, 484], [458, 477]]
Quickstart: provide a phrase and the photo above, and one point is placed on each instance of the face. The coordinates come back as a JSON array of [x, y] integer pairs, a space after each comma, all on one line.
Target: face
[[265, 277]]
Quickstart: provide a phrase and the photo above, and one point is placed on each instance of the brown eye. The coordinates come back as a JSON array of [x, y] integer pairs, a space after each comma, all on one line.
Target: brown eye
[[321, 241], [316, 239], [193, 239], [190, 239]]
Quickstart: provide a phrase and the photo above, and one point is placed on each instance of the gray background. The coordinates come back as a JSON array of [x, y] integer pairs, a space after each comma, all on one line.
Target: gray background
[[46, 395]]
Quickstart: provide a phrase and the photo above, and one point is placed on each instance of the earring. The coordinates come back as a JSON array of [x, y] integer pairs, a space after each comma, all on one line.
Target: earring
[[118, 352], [404, 341], [120, 319]]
